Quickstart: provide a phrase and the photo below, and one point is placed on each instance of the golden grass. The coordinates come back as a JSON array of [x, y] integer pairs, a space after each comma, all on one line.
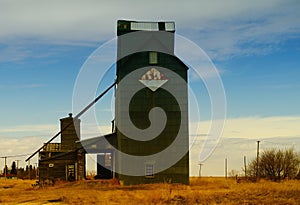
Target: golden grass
[[201, 191]]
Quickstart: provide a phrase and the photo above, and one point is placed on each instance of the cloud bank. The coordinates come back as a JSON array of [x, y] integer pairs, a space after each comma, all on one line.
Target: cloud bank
[[221, 29], [238, 140]]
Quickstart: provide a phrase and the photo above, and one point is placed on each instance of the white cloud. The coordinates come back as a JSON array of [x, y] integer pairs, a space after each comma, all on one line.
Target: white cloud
[[221, 29], [33, 129], [262, 127], [234, 149], [248, 35], [91, 130], [20, 149], [21, 86], [254, 127], [13, 53], [239, 139]]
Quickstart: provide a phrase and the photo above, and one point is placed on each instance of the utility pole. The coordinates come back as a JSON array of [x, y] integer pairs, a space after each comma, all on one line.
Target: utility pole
[[257, 160], [200, 166], [36, 170], [226, 167], [18, 163], [5, 167], [29, 169], [18, 166], [245, 165]]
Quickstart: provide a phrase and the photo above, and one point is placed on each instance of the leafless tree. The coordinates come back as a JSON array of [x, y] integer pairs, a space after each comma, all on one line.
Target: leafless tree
[[276, 164]]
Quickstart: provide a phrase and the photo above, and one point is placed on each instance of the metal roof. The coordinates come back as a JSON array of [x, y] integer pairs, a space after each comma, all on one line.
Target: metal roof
[[98, 144]]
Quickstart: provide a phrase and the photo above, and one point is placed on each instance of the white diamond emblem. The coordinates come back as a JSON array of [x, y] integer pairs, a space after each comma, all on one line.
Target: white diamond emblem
[[153, 79]]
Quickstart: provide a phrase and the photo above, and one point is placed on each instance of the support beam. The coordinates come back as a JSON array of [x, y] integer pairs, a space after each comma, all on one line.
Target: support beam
[[75, 118]]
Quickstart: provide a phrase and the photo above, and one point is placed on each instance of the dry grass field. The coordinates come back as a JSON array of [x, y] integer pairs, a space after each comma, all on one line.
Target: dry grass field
[[201, 191]]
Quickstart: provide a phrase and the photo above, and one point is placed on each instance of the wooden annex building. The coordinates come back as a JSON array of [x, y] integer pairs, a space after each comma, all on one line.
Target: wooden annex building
[[66, 160]]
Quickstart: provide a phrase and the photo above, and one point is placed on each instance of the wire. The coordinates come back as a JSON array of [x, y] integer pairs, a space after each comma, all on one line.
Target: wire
[[18, 155], [280, 144]]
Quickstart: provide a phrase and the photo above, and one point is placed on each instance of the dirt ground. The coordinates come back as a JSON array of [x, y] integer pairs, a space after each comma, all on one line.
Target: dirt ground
[[200, 191]]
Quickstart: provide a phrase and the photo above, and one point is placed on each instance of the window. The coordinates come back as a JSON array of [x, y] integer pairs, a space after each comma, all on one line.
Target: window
[[170, 26], [153, 57], [107, 160], [149, 170], [144, 26]]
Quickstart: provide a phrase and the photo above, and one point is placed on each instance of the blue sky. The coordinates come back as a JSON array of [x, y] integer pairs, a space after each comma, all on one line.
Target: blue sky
[[254, 45]]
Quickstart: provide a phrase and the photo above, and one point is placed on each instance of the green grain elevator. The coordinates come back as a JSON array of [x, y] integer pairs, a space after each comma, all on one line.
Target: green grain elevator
[[150, 76]]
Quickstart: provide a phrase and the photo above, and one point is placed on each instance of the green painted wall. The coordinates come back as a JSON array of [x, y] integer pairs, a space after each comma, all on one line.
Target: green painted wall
[[141, 103]]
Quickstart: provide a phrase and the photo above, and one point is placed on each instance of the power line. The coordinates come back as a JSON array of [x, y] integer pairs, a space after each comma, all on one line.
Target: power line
[[18, 155], [281, 144]]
